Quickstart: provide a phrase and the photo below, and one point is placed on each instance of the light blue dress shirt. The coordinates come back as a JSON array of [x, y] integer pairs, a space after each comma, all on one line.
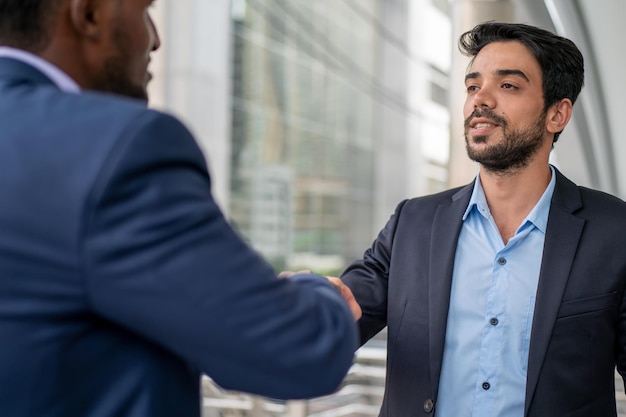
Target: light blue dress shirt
[[491, 312]]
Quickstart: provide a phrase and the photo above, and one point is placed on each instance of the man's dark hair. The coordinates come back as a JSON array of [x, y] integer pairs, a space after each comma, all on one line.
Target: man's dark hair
[[25, 23], [562, 64]]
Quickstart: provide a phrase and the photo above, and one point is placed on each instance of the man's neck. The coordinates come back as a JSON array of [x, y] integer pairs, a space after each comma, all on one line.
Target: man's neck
[[511, 197]]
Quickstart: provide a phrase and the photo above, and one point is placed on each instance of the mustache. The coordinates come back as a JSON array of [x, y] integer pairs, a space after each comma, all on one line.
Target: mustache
[[486, 114]]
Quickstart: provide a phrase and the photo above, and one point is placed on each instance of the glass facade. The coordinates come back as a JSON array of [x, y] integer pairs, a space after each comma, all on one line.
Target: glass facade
[[303, 154]]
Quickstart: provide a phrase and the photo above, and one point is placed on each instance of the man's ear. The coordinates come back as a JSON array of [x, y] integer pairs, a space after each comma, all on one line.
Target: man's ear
[[558, 115], [87, 17]]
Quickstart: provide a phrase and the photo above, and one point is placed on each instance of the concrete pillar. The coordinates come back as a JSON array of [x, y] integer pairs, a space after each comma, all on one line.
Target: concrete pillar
[[465, 15], [192, 78]]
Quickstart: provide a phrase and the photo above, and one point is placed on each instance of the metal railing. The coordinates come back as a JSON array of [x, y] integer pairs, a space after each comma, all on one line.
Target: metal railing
[[360, 395]]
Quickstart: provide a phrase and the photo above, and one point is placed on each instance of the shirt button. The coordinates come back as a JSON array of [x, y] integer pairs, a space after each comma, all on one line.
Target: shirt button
[[486, 386], [502, 261], [493, 321], [429, 405]]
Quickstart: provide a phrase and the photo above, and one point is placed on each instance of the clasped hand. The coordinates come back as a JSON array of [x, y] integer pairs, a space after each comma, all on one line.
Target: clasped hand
[[345, 292]]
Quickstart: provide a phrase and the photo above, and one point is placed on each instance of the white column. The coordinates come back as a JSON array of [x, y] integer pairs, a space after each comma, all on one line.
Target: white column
[[192, 78]]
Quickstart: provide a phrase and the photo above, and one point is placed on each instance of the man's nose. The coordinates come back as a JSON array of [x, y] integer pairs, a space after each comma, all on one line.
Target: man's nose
[[484, 98], [156, 44]]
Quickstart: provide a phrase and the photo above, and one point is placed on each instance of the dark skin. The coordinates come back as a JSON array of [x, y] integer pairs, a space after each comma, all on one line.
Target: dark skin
[[103, 45]]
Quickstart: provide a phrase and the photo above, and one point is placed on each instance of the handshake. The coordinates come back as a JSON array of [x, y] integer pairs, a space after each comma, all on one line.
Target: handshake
[[345, 292]]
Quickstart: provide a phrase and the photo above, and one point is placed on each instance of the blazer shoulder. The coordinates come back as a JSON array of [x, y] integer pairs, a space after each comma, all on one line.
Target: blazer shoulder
[[115, 109], [604, 205], [123, 122], [444, 197], [592, 195], [95, 107], [588, 203]]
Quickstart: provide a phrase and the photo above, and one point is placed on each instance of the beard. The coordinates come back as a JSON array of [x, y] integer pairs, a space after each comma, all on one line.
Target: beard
[[117, 81], [116, 75], [516, 149]]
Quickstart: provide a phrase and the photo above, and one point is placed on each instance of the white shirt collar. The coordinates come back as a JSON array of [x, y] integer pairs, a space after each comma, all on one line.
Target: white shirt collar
[[58, 77]]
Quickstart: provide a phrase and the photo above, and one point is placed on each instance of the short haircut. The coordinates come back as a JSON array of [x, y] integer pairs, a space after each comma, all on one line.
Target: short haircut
[[25, 23]]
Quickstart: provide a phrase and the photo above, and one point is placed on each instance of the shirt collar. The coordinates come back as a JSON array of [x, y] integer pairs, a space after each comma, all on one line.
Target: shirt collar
[[477, 199], [58, 77], [538, 216]]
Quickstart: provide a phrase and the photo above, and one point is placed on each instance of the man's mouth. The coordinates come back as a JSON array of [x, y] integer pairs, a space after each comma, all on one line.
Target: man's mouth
[[483, 125], [484, 120]]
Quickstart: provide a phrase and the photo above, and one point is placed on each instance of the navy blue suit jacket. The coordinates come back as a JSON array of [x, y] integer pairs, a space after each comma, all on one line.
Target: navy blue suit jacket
[[579, 328], [121, 281]]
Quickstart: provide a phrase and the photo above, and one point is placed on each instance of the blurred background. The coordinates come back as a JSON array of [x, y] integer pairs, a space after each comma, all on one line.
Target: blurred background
[[318, 117]]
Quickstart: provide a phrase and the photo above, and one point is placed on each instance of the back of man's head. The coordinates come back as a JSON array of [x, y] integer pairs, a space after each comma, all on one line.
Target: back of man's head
[[25, 24]]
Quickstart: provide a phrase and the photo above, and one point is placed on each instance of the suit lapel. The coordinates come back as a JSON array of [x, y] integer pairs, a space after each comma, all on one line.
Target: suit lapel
[[562, 237], [445, 231]]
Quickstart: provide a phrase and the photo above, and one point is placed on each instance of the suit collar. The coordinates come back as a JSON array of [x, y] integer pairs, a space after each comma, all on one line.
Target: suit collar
[[566, 194], [18, 72]]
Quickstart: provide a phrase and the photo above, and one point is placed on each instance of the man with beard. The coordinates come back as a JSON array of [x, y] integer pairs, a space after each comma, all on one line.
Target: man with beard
[[504, 297], [120, 280]]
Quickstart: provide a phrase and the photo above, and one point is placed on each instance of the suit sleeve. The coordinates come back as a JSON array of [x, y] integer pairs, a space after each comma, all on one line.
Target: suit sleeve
[[161, 260], [368, 279]]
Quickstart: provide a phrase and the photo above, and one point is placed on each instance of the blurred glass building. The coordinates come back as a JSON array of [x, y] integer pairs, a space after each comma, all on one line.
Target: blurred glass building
[[325, 135]]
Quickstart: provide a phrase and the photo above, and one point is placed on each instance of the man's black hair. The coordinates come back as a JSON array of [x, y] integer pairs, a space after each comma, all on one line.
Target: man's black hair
[[25, 23]]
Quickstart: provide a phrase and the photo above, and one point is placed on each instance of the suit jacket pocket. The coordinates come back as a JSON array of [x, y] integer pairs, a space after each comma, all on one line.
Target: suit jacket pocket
[[587, 305]]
